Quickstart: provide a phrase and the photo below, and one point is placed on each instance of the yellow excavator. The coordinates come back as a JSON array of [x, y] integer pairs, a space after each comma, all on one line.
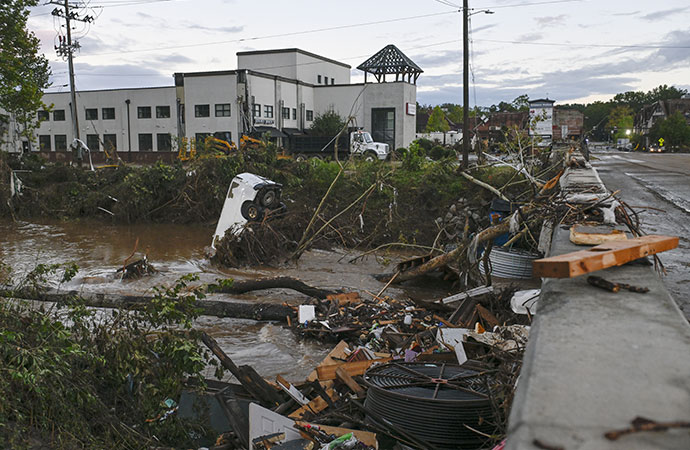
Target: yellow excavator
[[214, 147]]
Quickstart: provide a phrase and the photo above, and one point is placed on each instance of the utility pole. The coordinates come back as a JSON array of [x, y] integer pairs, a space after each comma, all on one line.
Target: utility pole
[[465, 85], [66, 48]]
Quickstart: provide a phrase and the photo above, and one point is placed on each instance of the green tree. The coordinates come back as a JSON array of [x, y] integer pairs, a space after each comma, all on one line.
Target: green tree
[[674, 130], [521, 103], [664, 92], [24, 73], [620, 120], [437, 121], [327, 124]]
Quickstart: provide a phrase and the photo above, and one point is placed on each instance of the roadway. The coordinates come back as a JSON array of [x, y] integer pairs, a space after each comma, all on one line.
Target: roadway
[[657, 185]]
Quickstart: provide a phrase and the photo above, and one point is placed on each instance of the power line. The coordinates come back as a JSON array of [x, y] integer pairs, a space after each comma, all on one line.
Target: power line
[[570, 44], [454, 41], [256, 38]]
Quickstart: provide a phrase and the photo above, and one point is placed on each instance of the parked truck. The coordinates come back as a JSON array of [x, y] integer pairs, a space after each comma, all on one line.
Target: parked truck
[[356, 142]]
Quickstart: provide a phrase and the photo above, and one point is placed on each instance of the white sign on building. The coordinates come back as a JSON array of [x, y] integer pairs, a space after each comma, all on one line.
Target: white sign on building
[[541, 116]]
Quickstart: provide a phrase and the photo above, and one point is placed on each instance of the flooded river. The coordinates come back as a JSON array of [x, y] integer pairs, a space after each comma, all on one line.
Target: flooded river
[[100, 249]]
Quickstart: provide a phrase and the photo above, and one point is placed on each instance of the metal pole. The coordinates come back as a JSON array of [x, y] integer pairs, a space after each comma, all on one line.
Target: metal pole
[[465, 86]]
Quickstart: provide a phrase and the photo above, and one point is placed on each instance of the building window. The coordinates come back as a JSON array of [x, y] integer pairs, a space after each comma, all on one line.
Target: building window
[[43, 116], [60, 142], [256, 110], [223, 110], [59, 115], [91, 113], [44, 142], [163, 142], [109, 142], [286, 113], [143, 112], [268, 111], [223, 136], [93, 142], [201, 138], [108, 114], [325, 79], [294, 113], [145, 142], [310, 115], [332, 80], [383, 125], [162, 112], [202, 111], [318, 79]]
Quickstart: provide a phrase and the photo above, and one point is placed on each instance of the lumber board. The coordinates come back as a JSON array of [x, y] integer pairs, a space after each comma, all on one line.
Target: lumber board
[[609, 254], [350, 382], [352, 368], [315, 406], [339, 352]]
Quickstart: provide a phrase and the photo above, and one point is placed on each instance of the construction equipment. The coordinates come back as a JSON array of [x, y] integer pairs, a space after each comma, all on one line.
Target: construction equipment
[[213, 147]]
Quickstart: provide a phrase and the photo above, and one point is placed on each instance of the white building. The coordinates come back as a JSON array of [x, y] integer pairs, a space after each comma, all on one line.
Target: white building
[[274, 91]]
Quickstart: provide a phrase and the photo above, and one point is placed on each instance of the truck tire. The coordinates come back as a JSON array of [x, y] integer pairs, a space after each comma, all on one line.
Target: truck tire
[[251, 211], [300, 157], [268, 197], [370, 156]]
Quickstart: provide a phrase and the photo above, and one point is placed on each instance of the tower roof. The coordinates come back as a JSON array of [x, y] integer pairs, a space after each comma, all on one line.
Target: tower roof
[[388, 61]]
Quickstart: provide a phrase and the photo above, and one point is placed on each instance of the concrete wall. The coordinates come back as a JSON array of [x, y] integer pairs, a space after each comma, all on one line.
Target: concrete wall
[[211, 90], [145, 97], [372, 95], [295, 64]]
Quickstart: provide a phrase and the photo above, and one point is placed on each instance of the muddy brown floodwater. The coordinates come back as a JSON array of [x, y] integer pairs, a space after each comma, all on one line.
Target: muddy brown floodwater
[[175, 250]]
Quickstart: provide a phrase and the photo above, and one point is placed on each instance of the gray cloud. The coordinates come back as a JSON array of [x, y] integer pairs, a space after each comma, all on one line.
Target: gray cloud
[[109, 77], [604, 78], [632, 13], [173, 59], [547, 21], [658, 15], [529, 37], [225, 29]]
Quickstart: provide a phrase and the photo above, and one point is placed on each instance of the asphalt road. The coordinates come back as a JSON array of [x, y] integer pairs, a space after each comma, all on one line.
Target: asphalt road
[[657, 185]]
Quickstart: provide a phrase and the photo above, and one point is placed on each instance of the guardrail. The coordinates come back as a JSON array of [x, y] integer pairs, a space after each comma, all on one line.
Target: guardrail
[[597, 360]]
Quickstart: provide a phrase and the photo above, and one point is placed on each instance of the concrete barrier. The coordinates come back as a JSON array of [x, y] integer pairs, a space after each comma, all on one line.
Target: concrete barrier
[[596, 360]]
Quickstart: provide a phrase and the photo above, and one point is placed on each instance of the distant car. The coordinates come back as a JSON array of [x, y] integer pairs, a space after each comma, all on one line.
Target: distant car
[[656, 149]]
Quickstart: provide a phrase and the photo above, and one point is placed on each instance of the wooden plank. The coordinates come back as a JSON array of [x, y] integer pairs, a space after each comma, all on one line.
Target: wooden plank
[[346, 298], [350, 382], [338, 353], [610, 254], [315, 406], [352, 368]]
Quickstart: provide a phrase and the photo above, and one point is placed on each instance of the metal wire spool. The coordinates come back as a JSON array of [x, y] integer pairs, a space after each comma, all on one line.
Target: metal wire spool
[[510, 263], [431, 401]]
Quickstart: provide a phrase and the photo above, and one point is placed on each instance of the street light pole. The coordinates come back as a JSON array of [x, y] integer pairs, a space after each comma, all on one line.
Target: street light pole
[[465, 86]]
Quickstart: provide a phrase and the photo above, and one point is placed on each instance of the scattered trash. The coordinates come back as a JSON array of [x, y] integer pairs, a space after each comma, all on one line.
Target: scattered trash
[[614, 287], [587, 234], [510, 263], [525, 302]]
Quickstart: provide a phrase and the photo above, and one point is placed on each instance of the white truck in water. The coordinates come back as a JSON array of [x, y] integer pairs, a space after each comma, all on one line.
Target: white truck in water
[[250, 197]]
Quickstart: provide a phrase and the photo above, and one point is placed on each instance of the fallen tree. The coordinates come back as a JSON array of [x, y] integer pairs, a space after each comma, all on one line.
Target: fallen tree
[[218, 308]]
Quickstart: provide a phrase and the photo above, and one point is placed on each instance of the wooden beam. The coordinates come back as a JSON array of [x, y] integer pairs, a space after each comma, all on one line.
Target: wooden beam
[[350, 382], [610, 254], [352, 368]]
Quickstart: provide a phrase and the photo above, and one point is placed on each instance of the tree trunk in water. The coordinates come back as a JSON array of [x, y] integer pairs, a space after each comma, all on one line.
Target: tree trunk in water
[[240, 287], [218, 308]]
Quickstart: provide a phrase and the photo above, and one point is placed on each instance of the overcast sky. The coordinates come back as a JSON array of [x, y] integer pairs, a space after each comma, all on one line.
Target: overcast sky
[[570, 51]]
